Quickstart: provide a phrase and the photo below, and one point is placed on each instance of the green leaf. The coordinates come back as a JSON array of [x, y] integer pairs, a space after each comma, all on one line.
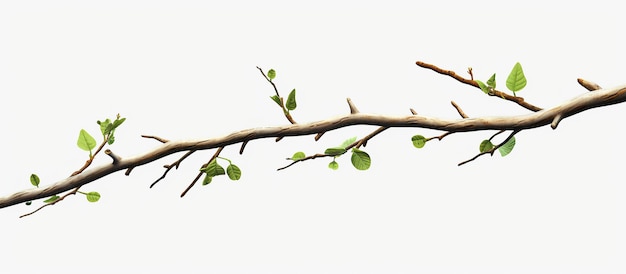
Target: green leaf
[[34, 180], [483, 87], [104, 126], [213, 169], [29, 203], [516, 80], [85, 141], [291, 100], [360, 159], [298, 155], [485, 145], [51, 199], [207, 180], [492, 81], [419, 141], [108, 130], [276, 99], [271, 74], [233, 171], [111, 139], [335, 151], [348, 142], [118, 122], [507, 147], [333, 165], [93, 196]]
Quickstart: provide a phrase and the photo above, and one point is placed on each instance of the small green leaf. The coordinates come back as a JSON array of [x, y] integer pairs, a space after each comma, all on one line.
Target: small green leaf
[[213, 169], [276, 99], [85, 141], [271, 74], [335, 151], [483, 87], [360, 159], [516, 80], [419, 141], [111, 139], [34, 180], [485, 145], [109, 129], [104, 125], [29, 203], [51, 199], [507, 147], [291, 100], [298, 155], [207, 180], [93, 196], [118, 122], [333, 165], [233, 171], [348, 142], [492, 81]]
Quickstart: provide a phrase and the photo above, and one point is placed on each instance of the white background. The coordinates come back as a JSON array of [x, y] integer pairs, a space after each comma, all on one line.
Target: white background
[[187, 71]]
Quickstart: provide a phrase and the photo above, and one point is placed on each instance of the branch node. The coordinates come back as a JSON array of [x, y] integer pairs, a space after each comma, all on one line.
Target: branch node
[[353, 109], [590, 86], [319, 135], [557, 119], [458, 109], [115, 157], [243, 146], [162, 140]]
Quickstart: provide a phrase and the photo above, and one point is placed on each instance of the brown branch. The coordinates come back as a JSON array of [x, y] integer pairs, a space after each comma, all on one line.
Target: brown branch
[[493, 149], [217, 153], [518, 100], [353, 109], [590, 86], [318, 155], [169, 167], [52, 203], [458, 109], [282, 103], [116, 159], [91, 157], [598, 98], [243, 146], [156, 138]]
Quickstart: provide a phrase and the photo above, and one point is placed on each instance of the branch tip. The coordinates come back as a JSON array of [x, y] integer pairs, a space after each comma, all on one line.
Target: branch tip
[[353, 109], [115, 157], [556, 120], [590, 86]]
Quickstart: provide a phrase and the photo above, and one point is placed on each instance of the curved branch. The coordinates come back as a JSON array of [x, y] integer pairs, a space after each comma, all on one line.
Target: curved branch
[[598, 98], [518, 100]]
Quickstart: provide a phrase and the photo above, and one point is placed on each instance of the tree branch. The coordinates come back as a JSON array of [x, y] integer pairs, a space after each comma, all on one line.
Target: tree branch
[[597, 98], [518, 100]]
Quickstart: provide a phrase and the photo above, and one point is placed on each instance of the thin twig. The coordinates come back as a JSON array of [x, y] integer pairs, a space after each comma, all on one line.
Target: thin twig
[[493, 149], [518, 100], [590, 86], [52, 203], [304, 159], [282, 103], [162, 140], [217, 153], [169, 167], [459, 110]]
